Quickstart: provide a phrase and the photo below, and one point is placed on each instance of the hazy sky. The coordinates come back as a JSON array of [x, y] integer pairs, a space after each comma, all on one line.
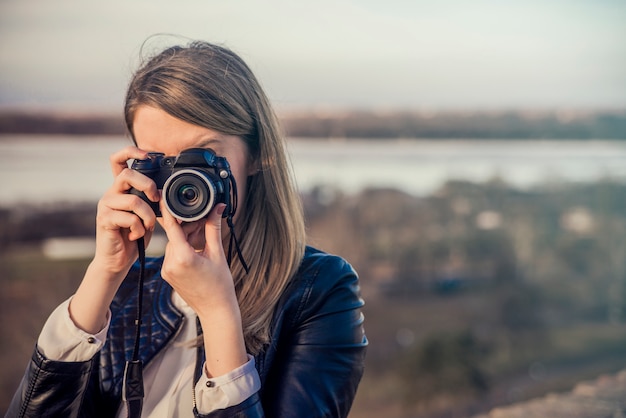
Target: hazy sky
[[420, 54]]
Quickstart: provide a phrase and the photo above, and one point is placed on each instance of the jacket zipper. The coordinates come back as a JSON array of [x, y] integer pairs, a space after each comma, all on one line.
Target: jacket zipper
[[197, 371]]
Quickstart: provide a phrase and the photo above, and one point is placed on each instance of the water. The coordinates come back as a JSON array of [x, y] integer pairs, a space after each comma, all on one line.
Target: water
[[41, 169]]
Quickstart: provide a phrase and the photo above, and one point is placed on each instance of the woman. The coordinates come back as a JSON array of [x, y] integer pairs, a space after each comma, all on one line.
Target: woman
[[277, 332]]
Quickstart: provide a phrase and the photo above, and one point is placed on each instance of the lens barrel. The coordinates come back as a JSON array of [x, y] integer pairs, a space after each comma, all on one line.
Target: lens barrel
[[189, 194]]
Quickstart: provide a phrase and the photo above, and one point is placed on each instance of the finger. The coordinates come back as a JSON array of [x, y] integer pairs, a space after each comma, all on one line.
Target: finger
[[129, 178], [213, 228], [119, 159], [115, 220], [131, 203], [172, 228]]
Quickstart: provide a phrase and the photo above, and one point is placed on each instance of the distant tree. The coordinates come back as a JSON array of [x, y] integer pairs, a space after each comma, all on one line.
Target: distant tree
[[452, 364]]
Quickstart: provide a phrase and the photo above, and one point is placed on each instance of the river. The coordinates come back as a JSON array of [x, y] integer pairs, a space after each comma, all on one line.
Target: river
[[42, 169]]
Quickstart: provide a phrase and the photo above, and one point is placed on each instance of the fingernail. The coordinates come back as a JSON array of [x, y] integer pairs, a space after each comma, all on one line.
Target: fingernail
[[220, 209]]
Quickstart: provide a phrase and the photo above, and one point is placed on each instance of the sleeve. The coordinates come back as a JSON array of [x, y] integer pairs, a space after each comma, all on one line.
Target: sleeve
[[58, 374], [228, 390], [51, 388], [61, 340]]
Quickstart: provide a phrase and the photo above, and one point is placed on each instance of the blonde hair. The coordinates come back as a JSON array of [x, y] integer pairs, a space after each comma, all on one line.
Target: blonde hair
[[210, 86]]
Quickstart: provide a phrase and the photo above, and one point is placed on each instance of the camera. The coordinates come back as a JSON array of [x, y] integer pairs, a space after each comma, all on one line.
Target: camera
[[192, 183]]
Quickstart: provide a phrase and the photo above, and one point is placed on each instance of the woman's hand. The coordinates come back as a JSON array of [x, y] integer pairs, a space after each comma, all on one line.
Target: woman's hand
[[197, 268], [201, 276], [122, 218]]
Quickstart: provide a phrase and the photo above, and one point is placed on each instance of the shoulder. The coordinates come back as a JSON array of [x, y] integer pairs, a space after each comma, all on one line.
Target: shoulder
[[323, 282], [323, 271], [316, 262]]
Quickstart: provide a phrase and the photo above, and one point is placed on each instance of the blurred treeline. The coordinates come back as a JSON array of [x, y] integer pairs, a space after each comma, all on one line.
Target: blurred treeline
[[476, 295], [449, 124], [609, 124]]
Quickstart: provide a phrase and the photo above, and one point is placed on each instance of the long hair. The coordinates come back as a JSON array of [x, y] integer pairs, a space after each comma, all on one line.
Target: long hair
[[210, 86]]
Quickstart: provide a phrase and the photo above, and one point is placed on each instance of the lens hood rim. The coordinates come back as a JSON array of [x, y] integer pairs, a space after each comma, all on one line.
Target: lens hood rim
[[205, 179]]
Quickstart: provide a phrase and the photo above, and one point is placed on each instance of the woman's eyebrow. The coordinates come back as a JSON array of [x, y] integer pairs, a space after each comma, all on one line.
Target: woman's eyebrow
[[208, 142]]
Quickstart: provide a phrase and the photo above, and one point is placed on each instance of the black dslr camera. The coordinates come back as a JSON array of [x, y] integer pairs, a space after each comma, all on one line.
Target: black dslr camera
[[192, 183]]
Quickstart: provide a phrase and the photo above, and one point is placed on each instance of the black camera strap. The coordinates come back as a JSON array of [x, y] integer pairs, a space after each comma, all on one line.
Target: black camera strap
[[229, 220], [233, 240], [132, 387]]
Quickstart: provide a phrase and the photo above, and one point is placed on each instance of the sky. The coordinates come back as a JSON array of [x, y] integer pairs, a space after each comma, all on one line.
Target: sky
[[367, 54]]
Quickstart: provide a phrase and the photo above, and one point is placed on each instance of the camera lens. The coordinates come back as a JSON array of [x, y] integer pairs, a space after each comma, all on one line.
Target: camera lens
[[189, 194]]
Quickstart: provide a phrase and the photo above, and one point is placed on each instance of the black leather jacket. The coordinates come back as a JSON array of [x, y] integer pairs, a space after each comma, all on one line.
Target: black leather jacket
[[311, 368]]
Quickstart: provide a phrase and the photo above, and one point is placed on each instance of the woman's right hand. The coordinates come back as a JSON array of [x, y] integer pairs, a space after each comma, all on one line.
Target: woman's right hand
[[121, 219]]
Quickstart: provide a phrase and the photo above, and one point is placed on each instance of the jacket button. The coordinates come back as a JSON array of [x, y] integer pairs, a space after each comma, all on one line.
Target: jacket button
[[210, 383], [91, 340]]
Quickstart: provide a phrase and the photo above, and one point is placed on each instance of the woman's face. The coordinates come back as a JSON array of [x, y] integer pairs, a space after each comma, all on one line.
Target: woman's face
[[157, 131]]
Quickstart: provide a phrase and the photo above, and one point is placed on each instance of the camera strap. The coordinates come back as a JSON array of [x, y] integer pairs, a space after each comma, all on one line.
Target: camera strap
[[132, 386], [229, 220], [233, 240]]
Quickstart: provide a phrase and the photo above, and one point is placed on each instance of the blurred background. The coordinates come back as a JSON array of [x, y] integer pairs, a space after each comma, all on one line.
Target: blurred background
[[468, 158]]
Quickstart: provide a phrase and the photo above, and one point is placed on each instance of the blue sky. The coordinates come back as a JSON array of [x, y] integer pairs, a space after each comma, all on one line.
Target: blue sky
[[447, 54]]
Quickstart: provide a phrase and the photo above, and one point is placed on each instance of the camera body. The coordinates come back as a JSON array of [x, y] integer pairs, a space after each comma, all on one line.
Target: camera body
[[192, 183]]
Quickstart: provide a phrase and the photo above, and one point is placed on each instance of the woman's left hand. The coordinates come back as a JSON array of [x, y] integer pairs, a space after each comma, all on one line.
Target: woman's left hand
[[201, 276]]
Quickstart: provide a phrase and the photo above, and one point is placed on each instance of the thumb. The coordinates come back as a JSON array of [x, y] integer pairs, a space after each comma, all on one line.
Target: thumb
[[213, 227]]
